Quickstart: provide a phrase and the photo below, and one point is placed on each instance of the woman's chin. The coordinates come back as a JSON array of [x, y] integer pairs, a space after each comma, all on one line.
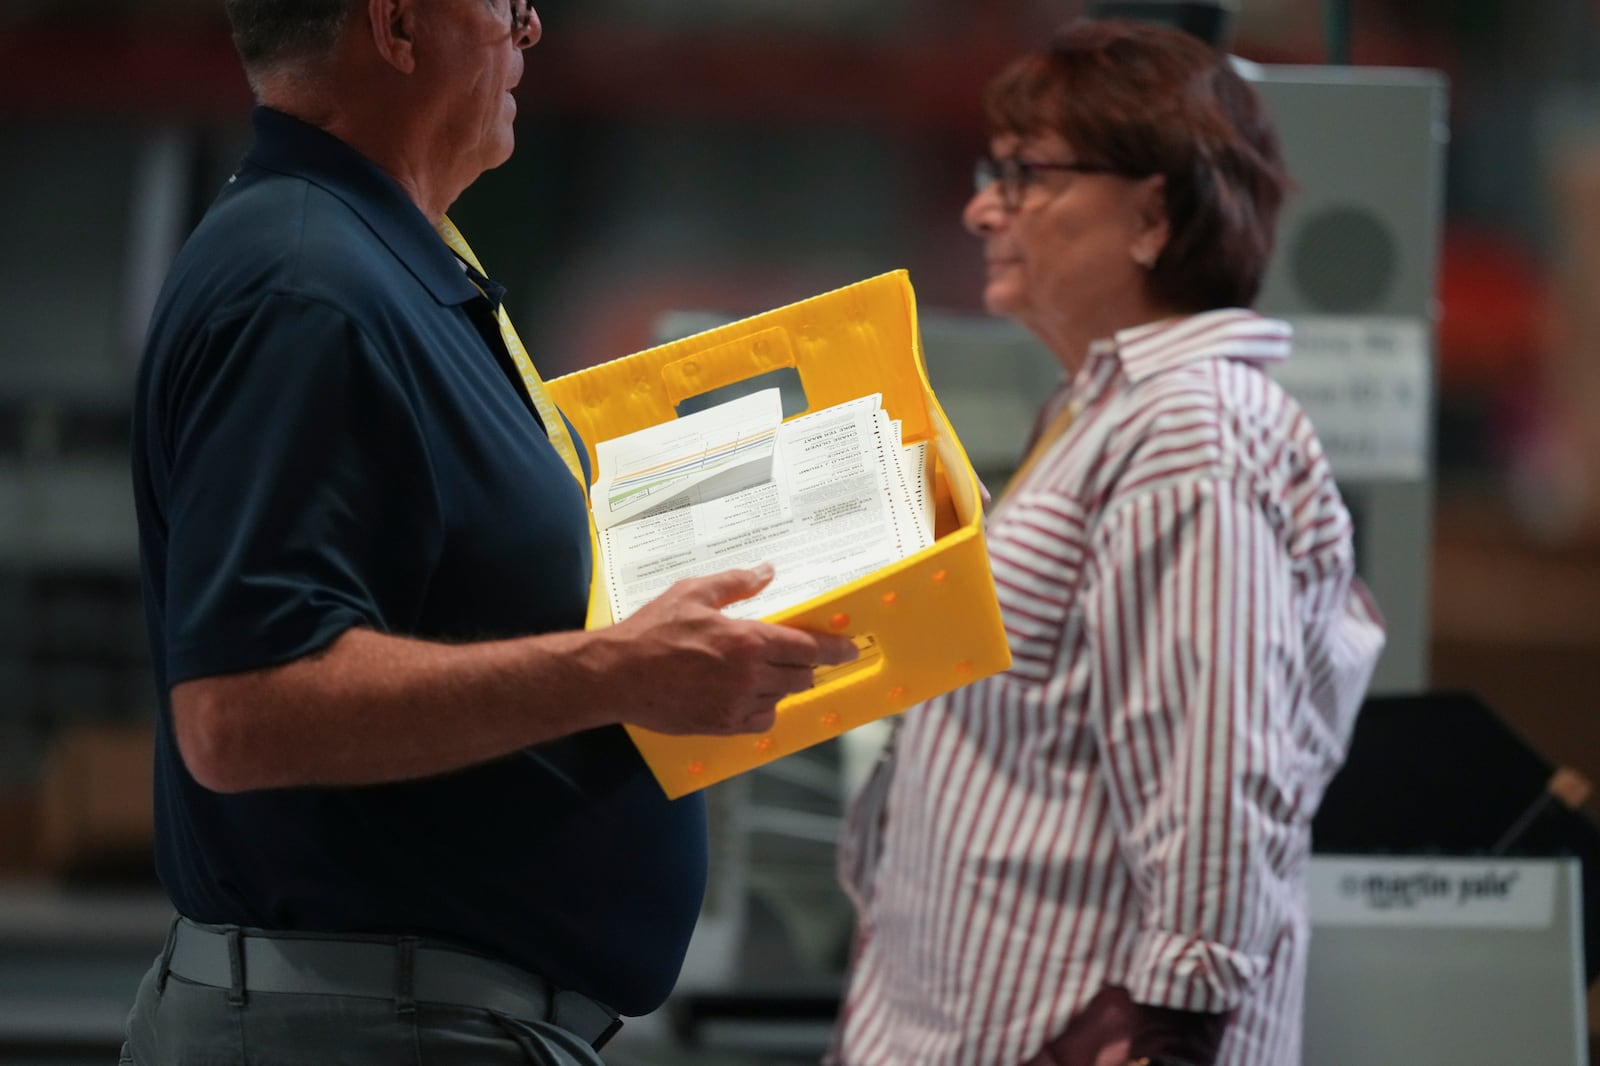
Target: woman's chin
[[1000, 298]]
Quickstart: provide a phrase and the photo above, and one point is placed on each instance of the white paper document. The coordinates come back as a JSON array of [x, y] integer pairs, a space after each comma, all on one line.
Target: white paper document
[[844, 499], [694, 458]]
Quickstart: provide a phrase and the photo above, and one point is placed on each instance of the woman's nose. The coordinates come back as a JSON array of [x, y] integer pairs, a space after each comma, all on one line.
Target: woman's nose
[[983, 212]]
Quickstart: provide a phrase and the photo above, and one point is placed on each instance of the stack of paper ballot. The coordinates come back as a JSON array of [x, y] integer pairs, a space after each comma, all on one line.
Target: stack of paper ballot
[[826, 497]]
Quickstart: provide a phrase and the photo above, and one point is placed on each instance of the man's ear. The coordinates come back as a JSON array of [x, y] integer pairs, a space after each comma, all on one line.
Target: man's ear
[[1151, 227], [392, 24]]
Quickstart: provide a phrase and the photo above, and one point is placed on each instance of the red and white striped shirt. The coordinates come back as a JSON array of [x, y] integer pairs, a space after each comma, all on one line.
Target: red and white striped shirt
[[1130, 803]]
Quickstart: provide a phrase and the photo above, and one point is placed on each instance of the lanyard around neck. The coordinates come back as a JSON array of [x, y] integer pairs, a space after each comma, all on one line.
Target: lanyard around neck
[[554, 425], [1047, 437]]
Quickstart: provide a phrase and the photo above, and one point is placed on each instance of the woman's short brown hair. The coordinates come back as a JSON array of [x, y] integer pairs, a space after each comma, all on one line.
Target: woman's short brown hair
[[1150, 99]]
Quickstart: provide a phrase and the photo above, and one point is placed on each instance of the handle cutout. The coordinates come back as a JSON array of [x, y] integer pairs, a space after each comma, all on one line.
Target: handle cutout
[[870, 653], [791, 391]]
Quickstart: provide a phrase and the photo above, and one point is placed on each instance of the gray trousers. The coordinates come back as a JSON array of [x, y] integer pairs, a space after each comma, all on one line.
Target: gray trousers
[[179, 1023]]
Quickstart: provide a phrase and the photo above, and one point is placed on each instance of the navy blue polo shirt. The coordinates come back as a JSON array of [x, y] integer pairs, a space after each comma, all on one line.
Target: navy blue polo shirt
[[328, 434]]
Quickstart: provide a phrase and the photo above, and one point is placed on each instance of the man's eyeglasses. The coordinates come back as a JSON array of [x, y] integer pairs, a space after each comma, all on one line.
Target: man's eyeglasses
[[1015, 175], [521, 18]]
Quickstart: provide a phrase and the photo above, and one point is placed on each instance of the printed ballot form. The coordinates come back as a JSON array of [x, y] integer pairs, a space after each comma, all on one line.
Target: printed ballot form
[[697, 457], [826, 498]]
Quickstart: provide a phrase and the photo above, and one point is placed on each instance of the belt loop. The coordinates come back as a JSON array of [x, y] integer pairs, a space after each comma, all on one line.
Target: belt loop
[[235, 937], [552, 1002], [166, 955], [405, 978]]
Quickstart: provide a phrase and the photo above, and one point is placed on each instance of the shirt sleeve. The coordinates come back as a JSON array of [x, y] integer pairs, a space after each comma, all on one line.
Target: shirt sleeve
[[300, 499], [1190, 615]]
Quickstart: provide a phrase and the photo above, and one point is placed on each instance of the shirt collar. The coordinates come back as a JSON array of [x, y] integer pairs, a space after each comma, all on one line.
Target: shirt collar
[[1232, 333], [286, 145]]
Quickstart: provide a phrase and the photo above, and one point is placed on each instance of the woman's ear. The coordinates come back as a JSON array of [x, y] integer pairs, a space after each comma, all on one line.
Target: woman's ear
[[1151, 228], [392, 24]]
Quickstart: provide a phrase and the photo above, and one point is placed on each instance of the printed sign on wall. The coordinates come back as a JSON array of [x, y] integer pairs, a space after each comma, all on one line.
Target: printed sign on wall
[[1364, 382]]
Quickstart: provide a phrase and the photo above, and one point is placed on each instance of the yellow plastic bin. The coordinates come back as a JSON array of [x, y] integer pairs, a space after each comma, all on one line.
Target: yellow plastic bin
[[930, 622]]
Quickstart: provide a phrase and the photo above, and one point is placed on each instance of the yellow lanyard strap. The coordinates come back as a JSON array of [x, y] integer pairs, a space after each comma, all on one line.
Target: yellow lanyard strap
[[1048, 436], [554, 425]]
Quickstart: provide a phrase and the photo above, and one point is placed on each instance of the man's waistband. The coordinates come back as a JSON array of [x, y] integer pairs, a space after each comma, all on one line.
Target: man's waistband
[[403, 969]]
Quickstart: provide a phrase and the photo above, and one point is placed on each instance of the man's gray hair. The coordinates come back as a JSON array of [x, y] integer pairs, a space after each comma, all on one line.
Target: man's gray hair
[[271, 33]]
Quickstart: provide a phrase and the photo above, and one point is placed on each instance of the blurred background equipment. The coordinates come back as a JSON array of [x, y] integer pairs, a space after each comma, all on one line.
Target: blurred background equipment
[[1487, 792], [1356, 272], [1444, 960], [1210, 20], [1481, 959]]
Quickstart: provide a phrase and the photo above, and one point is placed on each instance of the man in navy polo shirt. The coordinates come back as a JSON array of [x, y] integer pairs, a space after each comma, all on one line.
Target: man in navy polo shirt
[[396, 807]]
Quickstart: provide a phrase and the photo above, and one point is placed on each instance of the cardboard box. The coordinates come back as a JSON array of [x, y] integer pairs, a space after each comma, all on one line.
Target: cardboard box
[[19, 819], [1565, 492], [931, 621], [96, 813]]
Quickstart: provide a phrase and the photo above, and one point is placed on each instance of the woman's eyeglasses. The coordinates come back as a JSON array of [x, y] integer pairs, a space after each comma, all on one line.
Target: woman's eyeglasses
[[1015, 175]]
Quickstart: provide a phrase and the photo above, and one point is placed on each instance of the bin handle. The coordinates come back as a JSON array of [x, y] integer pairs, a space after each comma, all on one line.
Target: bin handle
[[746, 357]]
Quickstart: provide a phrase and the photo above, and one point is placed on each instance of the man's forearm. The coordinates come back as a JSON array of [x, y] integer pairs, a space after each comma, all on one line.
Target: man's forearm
[[372, 708]]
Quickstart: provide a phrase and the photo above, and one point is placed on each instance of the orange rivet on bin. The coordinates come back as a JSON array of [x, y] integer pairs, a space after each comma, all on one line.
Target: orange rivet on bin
[[696, 769], [839, 621], [897, 693], [830, 719], [764, 744], [889, 599], [939, 576], [963, 668]]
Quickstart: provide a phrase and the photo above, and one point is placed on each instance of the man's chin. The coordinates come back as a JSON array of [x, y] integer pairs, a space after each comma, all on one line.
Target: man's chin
[[501, 153]]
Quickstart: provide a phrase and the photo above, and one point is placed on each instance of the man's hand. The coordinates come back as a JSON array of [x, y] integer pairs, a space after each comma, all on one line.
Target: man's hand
[[684, 667]]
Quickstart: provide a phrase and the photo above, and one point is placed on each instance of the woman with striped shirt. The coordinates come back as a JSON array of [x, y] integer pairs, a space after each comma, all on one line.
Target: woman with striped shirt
[[1098, 857]]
